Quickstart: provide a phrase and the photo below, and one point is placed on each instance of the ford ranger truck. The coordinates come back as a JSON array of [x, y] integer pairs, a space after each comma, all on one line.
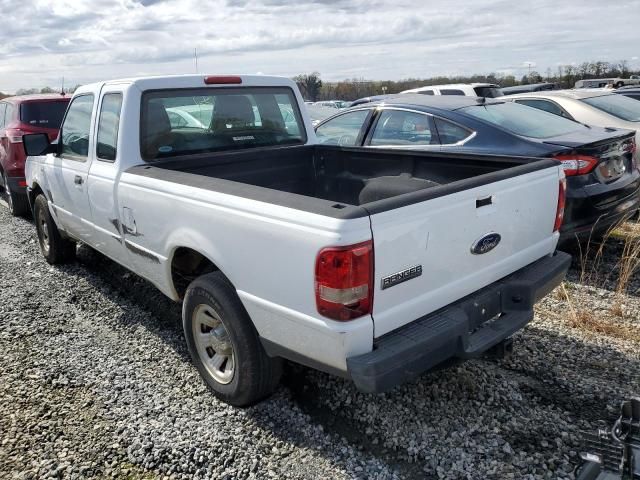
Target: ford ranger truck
[[372, 265]]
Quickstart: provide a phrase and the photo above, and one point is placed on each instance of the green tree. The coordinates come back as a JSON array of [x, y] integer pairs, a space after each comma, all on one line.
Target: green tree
[[309, 85]]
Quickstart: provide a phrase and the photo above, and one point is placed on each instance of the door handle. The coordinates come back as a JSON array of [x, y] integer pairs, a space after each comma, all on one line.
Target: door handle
[[77, 180]]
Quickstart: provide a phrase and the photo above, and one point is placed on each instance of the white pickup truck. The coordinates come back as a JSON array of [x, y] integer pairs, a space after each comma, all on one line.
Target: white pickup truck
[[372, 265]]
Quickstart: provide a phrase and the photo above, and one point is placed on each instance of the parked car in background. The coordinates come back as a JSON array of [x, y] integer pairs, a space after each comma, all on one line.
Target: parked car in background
[[631, 92], [603, 180], [369, 264], [616, 82], [599, 107], [333, 104], [373, 98], [318, 113], [488, 90], [534, 87], [20, 116]]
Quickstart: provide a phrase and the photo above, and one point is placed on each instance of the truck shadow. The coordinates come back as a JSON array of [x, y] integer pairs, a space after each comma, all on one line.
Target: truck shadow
[[552, 384]]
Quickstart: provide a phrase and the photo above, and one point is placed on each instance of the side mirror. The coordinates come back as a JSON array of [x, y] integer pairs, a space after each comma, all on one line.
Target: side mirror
[[36, 144]]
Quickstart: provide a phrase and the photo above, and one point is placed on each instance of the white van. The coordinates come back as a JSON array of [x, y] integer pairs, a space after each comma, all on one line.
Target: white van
[[488, 90]]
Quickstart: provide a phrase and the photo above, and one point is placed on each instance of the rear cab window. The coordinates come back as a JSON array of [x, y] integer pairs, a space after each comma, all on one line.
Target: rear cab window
[[195, 121], [426, 92], [43, 114], [523, 120], [3, 109]]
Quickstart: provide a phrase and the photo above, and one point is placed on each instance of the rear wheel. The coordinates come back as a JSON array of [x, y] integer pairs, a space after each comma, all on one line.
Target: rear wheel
[[224, 344], [18, 203], [619, 84], [54, 247]]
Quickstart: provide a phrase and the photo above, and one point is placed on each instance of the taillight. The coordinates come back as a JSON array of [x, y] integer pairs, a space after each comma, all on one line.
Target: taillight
[[577, 164], [344, 281], [15, 135], [562, 197]]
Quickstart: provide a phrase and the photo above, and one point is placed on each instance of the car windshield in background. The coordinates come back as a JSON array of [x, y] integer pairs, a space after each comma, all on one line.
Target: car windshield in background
[[192, 121], [43, 114], [488, 92], [617, 105], [523, 120]]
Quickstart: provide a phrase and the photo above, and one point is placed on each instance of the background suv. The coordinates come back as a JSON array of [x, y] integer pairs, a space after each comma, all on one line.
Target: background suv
[[20, 116]]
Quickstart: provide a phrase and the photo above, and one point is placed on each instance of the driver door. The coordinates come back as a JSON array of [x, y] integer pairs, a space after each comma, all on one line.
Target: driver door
[[71, 167]]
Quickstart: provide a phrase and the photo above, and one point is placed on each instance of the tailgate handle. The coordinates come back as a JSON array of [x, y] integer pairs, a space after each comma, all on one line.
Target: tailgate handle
[[483, 202]]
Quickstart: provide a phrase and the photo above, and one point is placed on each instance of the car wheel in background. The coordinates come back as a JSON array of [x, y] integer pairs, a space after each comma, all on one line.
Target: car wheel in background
[[18, 204], [54, 247], [224, 344]]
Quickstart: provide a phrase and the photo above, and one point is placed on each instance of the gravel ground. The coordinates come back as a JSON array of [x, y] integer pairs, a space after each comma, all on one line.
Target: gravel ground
[[95, 382]]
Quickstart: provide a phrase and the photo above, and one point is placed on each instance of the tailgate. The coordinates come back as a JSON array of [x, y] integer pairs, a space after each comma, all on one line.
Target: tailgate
[[423, 251]]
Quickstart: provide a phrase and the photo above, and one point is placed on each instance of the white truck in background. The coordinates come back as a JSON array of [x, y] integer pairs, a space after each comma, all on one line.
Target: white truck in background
[[372, 265]]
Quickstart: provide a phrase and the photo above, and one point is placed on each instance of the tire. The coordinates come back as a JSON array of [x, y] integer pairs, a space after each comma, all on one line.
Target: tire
[[217, 325], [54, 247], [619, 84], [18, 203]]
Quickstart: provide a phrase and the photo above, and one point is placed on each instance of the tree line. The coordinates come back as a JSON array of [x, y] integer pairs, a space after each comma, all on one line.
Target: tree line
[[314, 89], [31, 91]]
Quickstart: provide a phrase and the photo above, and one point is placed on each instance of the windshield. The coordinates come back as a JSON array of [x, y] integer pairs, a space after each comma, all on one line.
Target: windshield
[[43, 114], [192, 121], [523, 120], [617, 105]]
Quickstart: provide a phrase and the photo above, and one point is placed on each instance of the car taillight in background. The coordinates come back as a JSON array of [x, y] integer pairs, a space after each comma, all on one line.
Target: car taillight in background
[[15, 135], [574, 164], [631, 147], [562, 197], [344, 281]]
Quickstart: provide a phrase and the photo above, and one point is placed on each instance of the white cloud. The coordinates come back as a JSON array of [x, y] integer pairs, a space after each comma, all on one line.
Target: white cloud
[[88, 40]]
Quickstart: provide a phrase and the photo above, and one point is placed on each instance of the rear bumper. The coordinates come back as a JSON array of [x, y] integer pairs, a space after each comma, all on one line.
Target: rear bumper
[[465, 329], [588, 214]]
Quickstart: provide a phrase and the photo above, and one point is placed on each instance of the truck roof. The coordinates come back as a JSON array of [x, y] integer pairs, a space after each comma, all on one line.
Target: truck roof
[[193, 81]]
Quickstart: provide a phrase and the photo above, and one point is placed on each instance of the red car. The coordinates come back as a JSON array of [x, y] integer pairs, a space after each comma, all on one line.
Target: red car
[[20, 116]]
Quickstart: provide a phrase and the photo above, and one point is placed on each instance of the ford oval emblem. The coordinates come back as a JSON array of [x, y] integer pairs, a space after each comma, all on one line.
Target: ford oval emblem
[[486, 243]]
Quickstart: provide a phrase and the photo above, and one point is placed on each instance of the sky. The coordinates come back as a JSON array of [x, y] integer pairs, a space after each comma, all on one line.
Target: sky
[[92, 40]]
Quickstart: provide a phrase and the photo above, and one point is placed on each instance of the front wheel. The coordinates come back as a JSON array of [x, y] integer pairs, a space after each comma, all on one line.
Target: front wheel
[[224, 344], [53, 246]]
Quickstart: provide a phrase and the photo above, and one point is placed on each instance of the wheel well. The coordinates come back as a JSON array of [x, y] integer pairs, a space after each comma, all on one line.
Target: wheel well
[[33, 194], [187, 265]]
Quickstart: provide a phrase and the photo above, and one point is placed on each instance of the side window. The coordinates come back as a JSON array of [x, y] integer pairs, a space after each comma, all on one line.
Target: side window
[[426, 92], [3, 108], [451, 92], [398, 127], [546, 106], [451, 133], [108, 124], [76, 128], [342, 130]]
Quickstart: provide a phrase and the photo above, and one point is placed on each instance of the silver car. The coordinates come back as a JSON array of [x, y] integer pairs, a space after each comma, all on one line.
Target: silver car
[[598, 107]]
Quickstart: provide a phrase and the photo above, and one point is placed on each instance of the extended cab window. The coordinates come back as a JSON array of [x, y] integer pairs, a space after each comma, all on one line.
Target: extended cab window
[[3, 108], [192, 121], [426, 92], [342, 130], [108, 124], [399, 127], [76, 128]]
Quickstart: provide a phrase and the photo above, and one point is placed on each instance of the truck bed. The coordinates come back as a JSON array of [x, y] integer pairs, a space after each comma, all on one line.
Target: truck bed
[[340, 178]]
